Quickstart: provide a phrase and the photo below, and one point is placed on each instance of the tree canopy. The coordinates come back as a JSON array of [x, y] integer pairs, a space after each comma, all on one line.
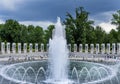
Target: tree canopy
[[116, 19]]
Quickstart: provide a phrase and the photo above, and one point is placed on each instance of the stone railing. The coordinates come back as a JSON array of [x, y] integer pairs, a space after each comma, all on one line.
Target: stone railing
[[108, 48], [7, 48], [18, 51]]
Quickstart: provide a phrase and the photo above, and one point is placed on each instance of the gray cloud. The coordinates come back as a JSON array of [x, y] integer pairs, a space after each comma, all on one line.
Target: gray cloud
[[48, 10]]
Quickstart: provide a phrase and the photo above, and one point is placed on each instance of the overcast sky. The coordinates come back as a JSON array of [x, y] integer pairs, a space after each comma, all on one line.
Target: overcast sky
[[45, 12]]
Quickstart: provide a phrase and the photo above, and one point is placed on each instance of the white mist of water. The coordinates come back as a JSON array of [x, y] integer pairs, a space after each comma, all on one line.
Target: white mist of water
[[58, 54]]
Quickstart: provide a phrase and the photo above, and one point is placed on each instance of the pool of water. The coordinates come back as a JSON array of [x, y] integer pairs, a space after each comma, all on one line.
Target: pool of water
[[37, 72]]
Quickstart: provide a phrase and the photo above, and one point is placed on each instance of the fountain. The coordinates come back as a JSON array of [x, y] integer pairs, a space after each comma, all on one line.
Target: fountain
[[58, 54], [58, 69]]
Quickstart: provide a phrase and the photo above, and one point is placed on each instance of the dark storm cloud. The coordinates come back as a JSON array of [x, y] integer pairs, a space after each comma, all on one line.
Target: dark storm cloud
[[46, 10], [34, 10]]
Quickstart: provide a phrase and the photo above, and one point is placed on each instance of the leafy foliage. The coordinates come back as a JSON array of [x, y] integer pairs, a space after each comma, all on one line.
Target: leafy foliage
[[116, 19], [79, 29]]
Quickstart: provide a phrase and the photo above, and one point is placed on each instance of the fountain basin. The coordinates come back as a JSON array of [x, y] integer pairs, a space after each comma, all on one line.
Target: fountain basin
[[38, 72]]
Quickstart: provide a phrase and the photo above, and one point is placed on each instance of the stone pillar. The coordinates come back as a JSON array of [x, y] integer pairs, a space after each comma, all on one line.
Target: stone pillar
[[113, 48], [92, 48], [69, 47], [42, 47], [108, 48], [30, 47], [118, 48], [86, 48], [80, 48], [47, 47], [3, 48], [36, 47], [14, 47], [97, 48], [8, 48], [103, 48], [75, 47], [19, 48], [25, 47]]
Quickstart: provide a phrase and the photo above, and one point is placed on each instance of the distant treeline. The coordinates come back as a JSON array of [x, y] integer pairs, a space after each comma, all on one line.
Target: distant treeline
[[79, 29]]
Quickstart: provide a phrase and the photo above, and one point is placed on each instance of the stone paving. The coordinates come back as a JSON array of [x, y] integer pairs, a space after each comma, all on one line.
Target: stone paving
[[13, 58]]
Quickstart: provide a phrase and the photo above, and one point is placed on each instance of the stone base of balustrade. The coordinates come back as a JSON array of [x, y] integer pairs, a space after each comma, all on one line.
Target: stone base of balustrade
[[23, 57]]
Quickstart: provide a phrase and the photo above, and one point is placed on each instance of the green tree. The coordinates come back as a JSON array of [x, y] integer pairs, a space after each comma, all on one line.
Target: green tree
[[77, 28], [10, 32], [48, 33], [100, 35], [118, 36], [30, 33], [113, 36], [1, 26], [38, 35], [90, 35], [116, 20], [24, 34]]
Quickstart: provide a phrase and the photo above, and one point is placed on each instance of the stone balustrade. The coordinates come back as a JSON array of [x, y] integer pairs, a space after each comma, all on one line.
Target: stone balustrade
[[108, 48], [37, 51]]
